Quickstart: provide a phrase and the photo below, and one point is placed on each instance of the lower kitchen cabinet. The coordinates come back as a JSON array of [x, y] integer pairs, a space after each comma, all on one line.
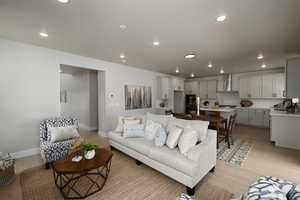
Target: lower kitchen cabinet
[[253, 117]]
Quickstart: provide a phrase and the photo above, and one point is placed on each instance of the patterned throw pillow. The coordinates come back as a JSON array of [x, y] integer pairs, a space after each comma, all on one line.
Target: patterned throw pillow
[[133, 130], [268, 187], [160, 137], [151, 129]]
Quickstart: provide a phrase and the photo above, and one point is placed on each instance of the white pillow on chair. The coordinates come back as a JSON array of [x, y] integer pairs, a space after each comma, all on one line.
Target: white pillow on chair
[[58, 134]]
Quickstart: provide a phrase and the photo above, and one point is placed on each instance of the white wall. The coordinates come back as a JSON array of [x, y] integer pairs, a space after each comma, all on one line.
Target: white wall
[[30, 90]]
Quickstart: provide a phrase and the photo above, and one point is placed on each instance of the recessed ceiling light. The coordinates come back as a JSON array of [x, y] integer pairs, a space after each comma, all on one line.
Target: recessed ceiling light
[[192, 75], [222, 71], [123, 27], [42, 34], [64, 1], [221, 18], [122, 56], [263, 65], [260, 56], [156, 43], [177, 70], [189, 56], [124, 61], [209, 65]]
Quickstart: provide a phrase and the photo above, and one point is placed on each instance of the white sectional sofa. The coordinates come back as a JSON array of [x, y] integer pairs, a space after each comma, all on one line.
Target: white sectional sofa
[[187, 169]]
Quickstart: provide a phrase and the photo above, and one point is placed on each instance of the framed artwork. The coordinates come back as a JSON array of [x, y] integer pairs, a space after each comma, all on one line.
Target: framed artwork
[[137, 97]]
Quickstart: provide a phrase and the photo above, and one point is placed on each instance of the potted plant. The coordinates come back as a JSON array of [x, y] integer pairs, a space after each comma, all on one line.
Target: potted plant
[[89, 150]]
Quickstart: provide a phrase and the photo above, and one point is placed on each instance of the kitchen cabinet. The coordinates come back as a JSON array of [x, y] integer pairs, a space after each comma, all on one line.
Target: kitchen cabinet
[[212, 89], [262, 86], [267, 85], [191, 87], [255, 86], [208, 89], [256, 117], [253, 116], [177, 84], [242, 116], [203, 90], [278, 85]]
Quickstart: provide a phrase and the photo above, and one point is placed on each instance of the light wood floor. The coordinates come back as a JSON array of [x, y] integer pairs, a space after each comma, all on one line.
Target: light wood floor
[[264, 159]]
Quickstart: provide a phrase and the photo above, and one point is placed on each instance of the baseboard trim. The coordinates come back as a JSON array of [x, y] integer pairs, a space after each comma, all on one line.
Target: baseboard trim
[[25, 153], [102, 133], [88, 128]]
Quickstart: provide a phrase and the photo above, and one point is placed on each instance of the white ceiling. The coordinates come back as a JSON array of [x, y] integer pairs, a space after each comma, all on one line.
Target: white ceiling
[[91, 28]]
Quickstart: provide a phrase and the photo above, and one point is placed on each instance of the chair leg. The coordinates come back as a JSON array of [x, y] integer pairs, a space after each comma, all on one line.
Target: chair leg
[[212, 170], [47, 165], [190, 191]]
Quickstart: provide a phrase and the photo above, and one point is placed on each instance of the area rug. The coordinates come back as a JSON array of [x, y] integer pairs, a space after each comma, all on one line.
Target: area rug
[[237, 154], [126, 181]]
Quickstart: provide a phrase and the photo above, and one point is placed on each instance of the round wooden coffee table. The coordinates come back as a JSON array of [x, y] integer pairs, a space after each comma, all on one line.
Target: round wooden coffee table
[[82, 179]]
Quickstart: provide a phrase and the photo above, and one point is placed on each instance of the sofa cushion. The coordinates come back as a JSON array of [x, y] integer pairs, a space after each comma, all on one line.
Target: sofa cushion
[[174, 159], [117, 137], [162, 119], [140, 145]]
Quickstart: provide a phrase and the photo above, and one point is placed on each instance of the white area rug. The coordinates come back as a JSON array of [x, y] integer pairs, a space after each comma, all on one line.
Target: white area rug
[[237, 154]]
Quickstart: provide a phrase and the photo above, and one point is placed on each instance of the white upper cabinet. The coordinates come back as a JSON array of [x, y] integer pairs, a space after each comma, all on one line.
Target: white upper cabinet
[[212, 89], [191, 87], [244, 87], [178, 84], [203, 90], [208, 89], [255, 86], [278, 85], [262, 86], [267, 85]]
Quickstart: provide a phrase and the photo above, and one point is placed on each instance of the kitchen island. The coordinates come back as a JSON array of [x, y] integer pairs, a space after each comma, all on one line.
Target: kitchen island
[[225, 112], [285, 130]]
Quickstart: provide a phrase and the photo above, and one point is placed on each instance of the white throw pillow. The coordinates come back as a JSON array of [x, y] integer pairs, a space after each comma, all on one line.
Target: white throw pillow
[[201, 127], [187, 140], [58, 134], [151, 129], [119, 128], [162, 119], [173, 136]]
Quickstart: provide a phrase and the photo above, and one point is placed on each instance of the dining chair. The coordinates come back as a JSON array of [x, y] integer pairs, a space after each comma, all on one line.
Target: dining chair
[[225, 132]]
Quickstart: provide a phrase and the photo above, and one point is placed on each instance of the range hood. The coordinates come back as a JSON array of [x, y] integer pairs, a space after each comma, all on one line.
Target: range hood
[[227, 84]]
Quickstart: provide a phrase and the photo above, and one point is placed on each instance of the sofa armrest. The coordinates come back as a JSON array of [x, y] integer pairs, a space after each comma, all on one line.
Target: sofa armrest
[[206, 148]]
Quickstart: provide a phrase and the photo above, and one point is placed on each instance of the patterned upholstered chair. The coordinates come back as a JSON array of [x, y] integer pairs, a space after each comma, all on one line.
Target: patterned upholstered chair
[[271, 188], [54, 151]]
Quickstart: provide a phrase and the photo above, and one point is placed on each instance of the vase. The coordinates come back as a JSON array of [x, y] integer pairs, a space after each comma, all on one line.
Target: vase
[[89, 154]]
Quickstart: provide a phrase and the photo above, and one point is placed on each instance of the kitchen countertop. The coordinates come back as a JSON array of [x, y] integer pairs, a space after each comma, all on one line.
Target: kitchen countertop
[[283, 113], [224, 109], [254, 107]]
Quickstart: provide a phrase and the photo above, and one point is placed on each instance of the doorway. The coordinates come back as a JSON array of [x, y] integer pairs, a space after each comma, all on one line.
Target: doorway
[[80, 96]]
